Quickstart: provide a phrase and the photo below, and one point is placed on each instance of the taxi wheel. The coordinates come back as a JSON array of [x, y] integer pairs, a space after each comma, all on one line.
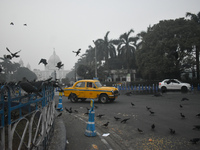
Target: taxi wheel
[[73, 98], [103, 98]]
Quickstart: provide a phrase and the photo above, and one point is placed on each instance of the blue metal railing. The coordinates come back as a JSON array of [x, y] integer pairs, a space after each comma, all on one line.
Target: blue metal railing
[[17, 107]]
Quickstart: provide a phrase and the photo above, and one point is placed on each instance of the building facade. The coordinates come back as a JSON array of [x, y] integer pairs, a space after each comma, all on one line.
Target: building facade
[[51, 70]]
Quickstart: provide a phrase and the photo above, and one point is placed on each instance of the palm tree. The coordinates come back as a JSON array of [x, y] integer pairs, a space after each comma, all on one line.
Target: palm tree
[[195, 18], [105, 49], [126, 47]]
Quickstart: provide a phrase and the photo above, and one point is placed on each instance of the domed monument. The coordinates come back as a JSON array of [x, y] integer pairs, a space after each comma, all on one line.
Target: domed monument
[[51, 70], [52, 62]]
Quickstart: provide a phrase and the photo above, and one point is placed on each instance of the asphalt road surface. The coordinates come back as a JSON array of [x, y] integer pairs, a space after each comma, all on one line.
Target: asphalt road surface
[[125, 136]]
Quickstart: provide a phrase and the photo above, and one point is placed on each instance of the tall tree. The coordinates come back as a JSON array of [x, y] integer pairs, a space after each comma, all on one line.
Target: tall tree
[[105, 48], [167, 49], [126, 48], [196, 18]]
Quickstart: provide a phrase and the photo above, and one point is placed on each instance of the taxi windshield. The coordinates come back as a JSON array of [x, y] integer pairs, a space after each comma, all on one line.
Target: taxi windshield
[[98, 84]]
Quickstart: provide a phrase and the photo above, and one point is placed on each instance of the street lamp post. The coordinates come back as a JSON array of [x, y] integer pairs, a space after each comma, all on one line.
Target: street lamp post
[[95, 60]]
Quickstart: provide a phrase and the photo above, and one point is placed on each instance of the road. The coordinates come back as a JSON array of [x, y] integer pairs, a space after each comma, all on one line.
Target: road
[[125, 135]]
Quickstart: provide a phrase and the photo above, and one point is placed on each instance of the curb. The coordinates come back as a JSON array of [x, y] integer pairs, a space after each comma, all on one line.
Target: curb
[[58, 141]]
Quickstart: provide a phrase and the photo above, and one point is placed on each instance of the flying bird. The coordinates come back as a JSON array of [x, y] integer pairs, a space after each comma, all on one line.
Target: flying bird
[[180, 106], [77, 52], [124, 120], [11, 23], [117, 118], [44, 61], [106, 124], [195, 140], [59, 65], [13, 54], [25, 24]]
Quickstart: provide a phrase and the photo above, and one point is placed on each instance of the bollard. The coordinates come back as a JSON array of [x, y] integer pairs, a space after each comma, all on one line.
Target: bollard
[[146, 88], [60, 106], [90, 129], [132, 87], [135, 88]]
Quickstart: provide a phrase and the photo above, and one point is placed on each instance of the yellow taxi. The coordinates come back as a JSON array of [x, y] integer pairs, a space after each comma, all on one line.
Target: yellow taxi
[[90, 89]]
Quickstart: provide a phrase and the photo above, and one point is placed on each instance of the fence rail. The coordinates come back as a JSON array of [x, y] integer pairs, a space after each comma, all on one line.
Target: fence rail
[[26, 119]]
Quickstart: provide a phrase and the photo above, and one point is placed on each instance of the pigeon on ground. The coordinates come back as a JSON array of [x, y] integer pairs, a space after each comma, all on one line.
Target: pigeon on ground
[[157, 94], [69, 110], [132, 104], [124, 120], [151, 112], [117, 118], [153, 126], [195, 140], [128, 93], [184, 99], [100, 115], [182, 116], [172, 131], [106, 124], [196, 127], [198, 115], [59, 115], [148, 108], [139, 130]]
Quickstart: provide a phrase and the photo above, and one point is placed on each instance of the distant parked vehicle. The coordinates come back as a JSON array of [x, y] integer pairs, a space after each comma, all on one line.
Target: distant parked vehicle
[[174, 84]]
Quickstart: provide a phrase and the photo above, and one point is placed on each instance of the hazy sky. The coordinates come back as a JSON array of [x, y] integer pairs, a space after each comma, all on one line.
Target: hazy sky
[[68, 25]]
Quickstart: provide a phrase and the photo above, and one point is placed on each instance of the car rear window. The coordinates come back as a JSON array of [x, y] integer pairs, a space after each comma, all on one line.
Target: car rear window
[[98, 84]]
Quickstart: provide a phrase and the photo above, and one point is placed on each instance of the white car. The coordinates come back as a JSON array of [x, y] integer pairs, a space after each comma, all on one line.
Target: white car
[[174, 84]]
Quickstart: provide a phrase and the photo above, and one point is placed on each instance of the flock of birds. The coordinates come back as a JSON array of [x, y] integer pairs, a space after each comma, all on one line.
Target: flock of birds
[[153, 126], [44, 61], [31, 87]]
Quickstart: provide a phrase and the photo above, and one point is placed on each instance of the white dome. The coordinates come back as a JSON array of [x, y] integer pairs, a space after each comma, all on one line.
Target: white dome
[[52, 62]]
